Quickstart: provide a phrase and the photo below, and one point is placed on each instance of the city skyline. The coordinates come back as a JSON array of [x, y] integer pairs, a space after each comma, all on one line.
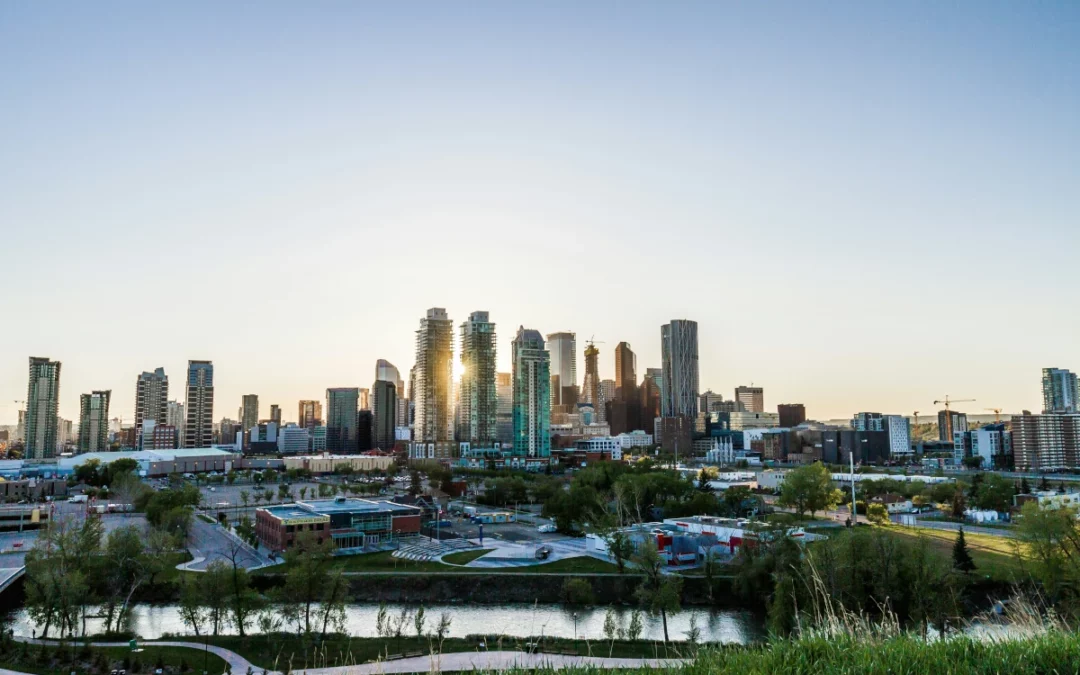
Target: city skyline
[[856, 162]]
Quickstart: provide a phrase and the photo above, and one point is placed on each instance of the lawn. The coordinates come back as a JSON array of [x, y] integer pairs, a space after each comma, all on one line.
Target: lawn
[[384, 562], [282, 651], [993, 556], [51, 659], [465, 557]]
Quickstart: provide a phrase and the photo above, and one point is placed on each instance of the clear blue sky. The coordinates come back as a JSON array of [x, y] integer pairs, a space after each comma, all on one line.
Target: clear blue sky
[[865, 205]]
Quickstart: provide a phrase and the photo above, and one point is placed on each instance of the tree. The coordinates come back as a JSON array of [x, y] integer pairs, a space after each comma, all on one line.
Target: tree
[[959, 504], [214, 593], [877, 513], [308, 562], [191, 609], [809, 488], [994, 493], [961, 557], [244, 601], [1051, 537], [415, 484], [577, 591], [973, 462], [659, 593], [418, 621], [245, 497], [1025, 487], [620, 547], [126, 567]]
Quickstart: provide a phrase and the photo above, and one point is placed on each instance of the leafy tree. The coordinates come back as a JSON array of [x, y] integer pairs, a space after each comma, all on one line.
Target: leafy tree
[[1025, 487], [809, 488], [418, 621], [959, 504], [961, 556], [308, 561], [577, 591], [415, 484], [214, 590], [1051, 537], [621, 548], [877, 513], [192, 611], [245, 497], [659, 593], [973, 462], [994, 493]]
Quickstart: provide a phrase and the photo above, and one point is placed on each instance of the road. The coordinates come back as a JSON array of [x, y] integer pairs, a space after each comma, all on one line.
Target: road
[[209, 543], [1007, 533]]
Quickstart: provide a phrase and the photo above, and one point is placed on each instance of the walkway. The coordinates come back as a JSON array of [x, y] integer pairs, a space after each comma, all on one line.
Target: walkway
[[460, 661]]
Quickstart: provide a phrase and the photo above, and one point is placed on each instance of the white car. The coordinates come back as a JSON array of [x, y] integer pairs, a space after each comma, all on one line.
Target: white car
[[546, 528]]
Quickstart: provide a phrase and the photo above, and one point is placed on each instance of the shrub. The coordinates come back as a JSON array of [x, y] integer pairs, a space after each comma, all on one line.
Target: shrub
[[577, 592]]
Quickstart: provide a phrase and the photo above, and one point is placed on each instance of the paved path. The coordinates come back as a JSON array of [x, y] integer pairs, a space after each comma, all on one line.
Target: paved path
[[487, 661], [461, 661]]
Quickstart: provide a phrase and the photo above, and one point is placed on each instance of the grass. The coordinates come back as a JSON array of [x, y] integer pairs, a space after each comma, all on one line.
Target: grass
[[465, 557], [384, 562], [280, 650], [994, 556], [50, 660]]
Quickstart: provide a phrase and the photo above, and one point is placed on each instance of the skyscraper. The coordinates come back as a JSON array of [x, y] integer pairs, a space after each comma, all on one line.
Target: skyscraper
[[384, 409], [275, 414], [342, 404], [625, 372], [309, 415], [590, 388], [650, 398], [151, 399], [175, 417], [679, 349], [1061, 393], [478, 396], [752, 398], [532, 396], [42, 404], [504, 392], [434, 376], [364, 400], [249, 415], [563, 350], [94, 421], [365, 430], [950, 423], [387, 372], [791, 414], [199, 427]]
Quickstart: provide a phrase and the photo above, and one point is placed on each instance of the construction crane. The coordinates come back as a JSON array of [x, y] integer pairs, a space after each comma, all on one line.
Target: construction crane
[[948, 417], [916, 413], [997, 414], [591, 341]]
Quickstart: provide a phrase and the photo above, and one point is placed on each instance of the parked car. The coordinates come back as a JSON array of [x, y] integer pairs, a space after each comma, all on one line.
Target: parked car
[[545, 529]]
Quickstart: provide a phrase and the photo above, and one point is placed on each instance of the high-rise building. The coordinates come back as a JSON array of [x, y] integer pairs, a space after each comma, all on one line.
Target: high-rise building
[[1046, 442], [504, 395], [752, 398], [625, 373], [896, 427], [293, 440], [318, 439], [249, 415], [309, 415], [365, 430], [949, 423], [679, 350], [199, 427], [478, 397], [590, 388], [650, 398], [791, 414], [94, 421], [64, 434], [364, 399], [411, 408], [151, 399], [563, 349], [532, 396], [707, 401], [42, 404], [1060, 391], [342, 403], [388, 372], [20, 428], [227, 430], [275, 414], [434, 377], [384, 409]]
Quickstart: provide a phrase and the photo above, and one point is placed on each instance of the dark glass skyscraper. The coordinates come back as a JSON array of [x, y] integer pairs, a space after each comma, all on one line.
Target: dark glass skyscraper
[[42, 405], [384, 407], [342, 404]]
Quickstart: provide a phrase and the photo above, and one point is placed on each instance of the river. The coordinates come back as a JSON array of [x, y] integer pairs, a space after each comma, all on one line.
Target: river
[[724, 626]]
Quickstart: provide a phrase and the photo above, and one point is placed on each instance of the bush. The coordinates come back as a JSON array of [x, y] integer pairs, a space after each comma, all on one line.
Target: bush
[[577, 592], [877, 513]]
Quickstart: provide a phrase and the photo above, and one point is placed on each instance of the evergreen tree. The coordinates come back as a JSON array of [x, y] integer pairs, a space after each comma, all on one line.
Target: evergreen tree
[[1025, 487], [960, 555], [1043, 483]]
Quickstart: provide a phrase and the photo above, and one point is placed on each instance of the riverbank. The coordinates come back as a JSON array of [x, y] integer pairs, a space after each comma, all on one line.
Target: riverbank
[[52, 658]]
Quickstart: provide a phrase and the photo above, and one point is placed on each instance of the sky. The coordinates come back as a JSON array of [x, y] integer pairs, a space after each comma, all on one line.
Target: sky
[[865, 205]]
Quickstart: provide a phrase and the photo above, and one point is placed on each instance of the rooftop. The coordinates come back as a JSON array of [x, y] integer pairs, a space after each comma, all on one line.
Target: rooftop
[[337, 505]]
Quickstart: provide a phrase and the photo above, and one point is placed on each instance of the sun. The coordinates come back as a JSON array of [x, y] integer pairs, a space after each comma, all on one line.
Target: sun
[[459, 369]]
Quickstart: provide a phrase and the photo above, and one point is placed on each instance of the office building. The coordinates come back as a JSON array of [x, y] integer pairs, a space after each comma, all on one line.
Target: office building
[[249, 415], [388, 372], [563, 349], [352, 525], [741, 421], [309, 414], [504, 421], [532, 397], [228, 432], [342, 404], [590, 387], [64, 434], [1060, 392], [791, 414], [868, 421], [674, 434], [949, 423], [751, 398], [679, 384], [649, 393], [275, 414], [151, 399], [433, 396], [159, 437], [1048, 442], [199, 427], [708, 401], [898, 430], [365, 430], [625, 373], [991, 442], [478, 410], [318, 439], [42, 404], [293, 440], [94, 421], [384, 410], [364, 399]]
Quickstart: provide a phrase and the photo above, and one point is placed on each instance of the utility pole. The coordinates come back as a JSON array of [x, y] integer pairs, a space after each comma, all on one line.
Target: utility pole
[[854, 512]]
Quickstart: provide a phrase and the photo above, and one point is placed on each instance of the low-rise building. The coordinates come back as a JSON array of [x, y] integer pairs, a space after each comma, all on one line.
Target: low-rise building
[[894, 503], [159, 462], [635, 439], [320, 464], [771, 480], [1050, 500], [741, 420], [354, 525], [293, 440]]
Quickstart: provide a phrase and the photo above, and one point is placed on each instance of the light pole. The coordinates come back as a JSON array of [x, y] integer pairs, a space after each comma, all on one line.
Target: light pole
[[575, 626]]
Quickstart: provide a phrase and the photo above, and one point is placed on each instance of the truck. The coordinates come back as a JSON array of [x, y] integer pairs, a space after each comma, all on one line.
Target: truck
[[78, 499], [470, 511], [99, 509]]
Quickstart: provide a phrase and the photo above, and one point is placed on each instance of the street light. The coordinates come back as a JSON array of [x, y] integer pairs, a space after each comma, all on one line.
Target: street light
[[575, 626]]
